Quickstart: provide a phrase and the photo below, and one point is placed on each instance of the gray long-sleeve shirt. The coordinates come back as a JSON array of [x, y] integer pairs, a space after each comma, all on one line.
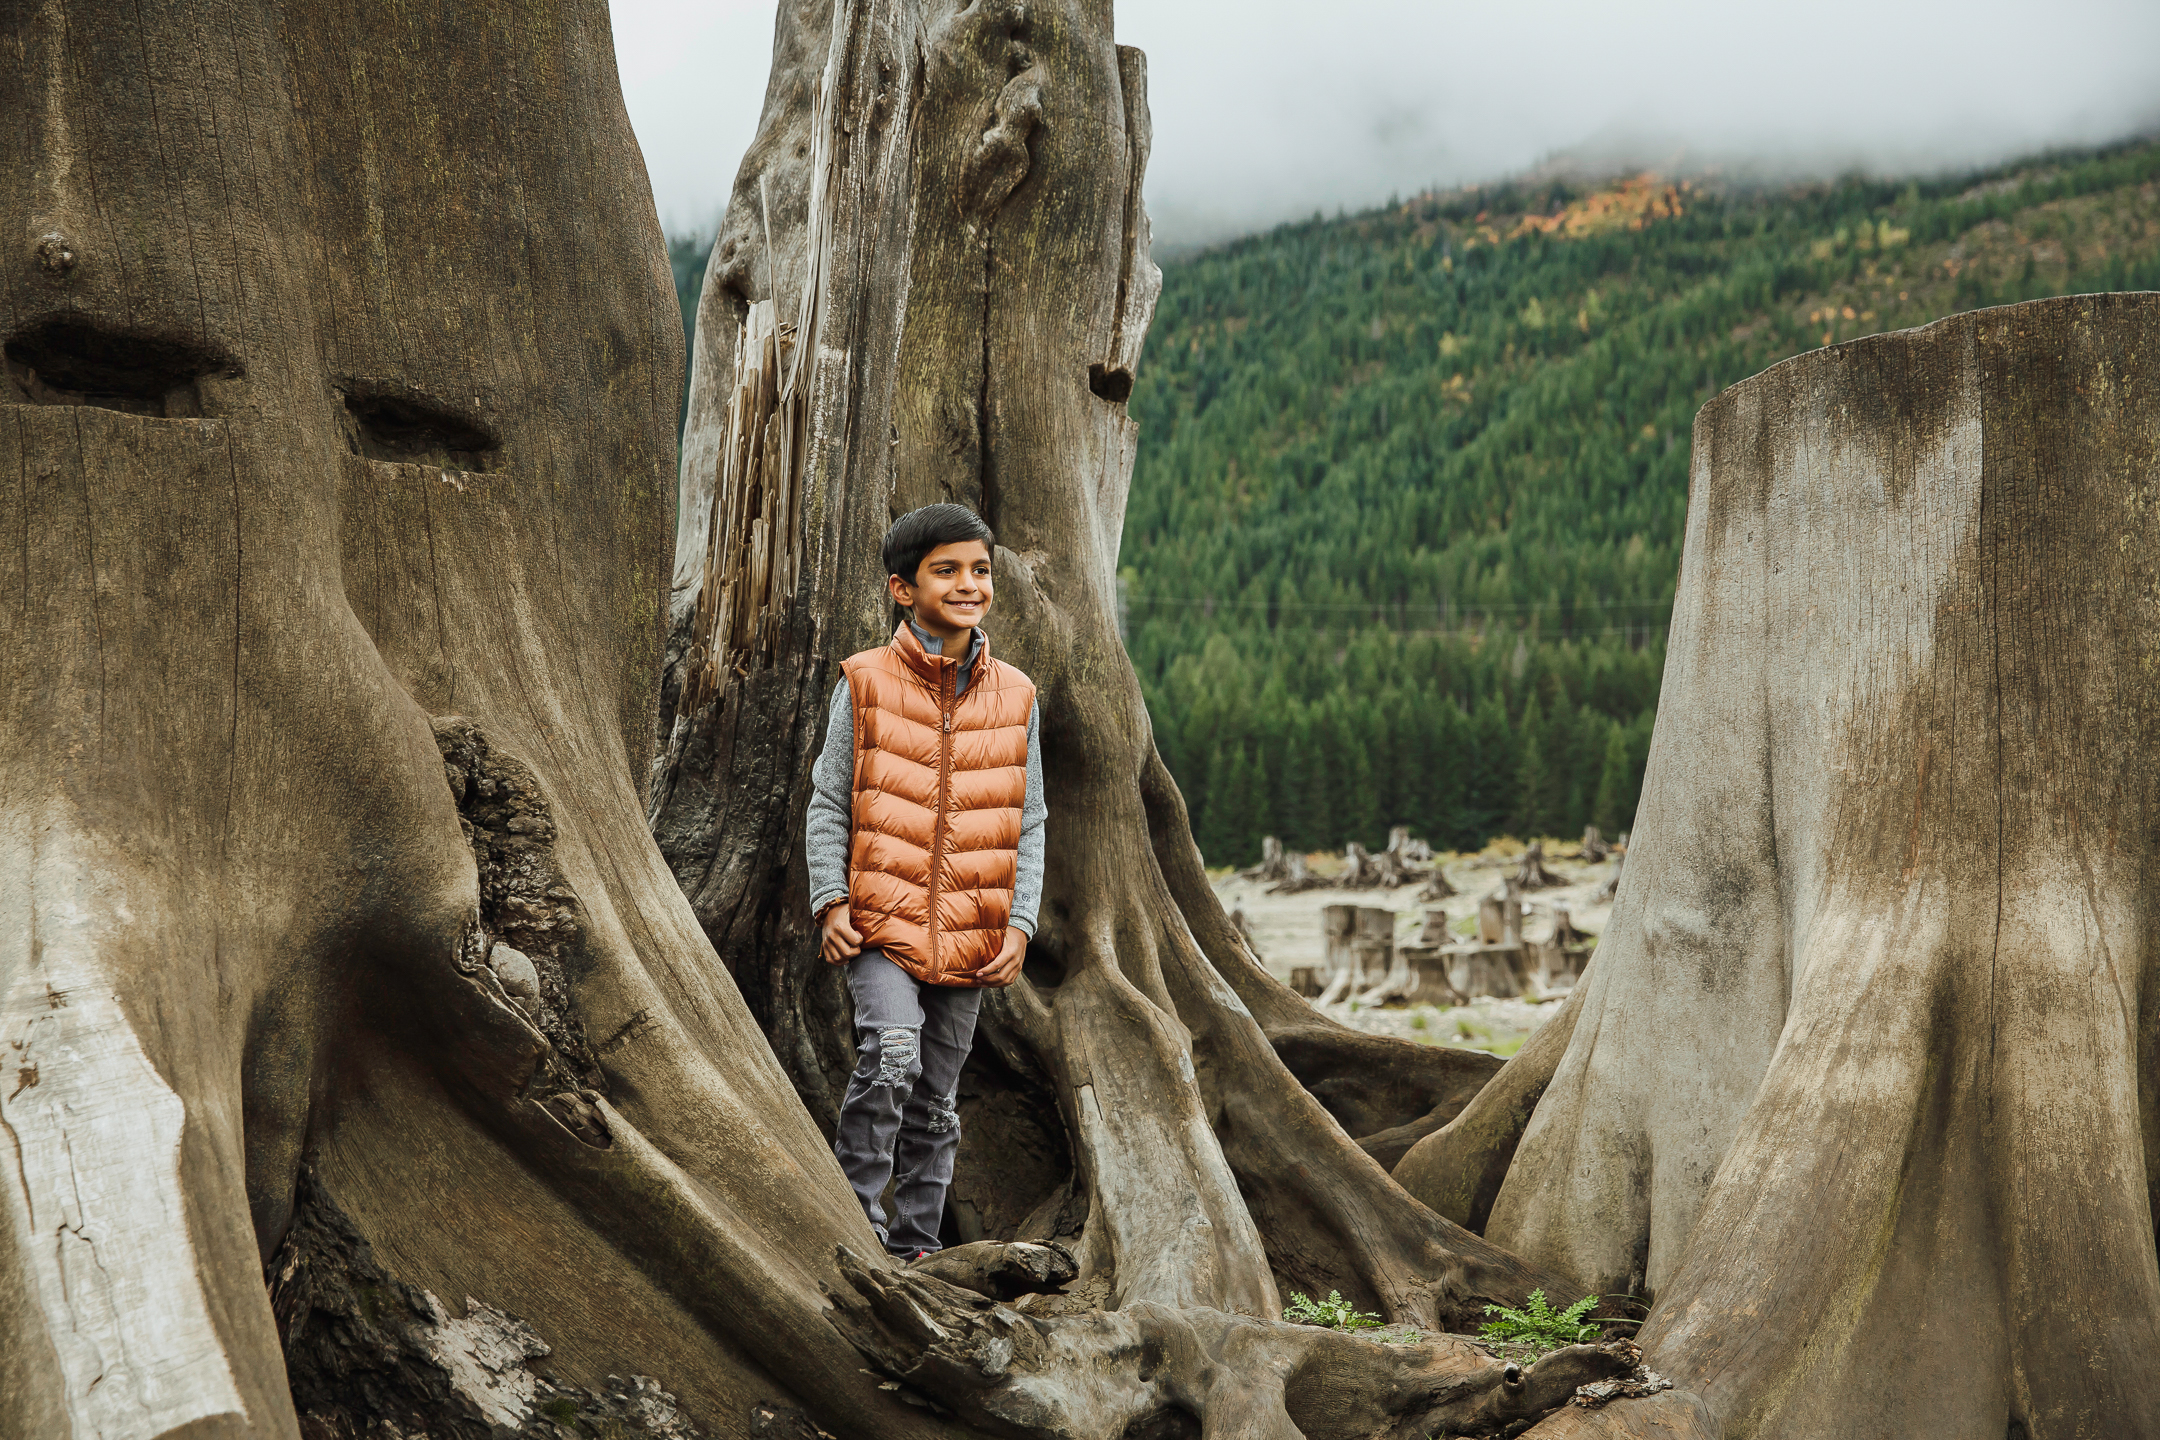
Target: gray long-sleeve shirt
[[828, 826]]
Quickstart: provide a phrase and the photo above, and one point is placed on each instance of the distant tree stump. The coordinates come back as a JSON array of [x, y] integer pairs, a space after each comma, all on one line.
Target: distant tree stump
[[1500, 915], [1361, 871], [1594, 848], [1413, 850], [1274, 865], [1375, 943], [1556, 961], [1496, 970], [1610, 890], [1531, 873], [1298, 877], [1338, 938]]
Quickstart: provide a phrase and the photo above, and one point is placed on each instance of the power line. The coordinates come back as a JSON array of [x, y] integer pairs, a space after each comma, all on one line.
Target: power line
[[1385, 605]]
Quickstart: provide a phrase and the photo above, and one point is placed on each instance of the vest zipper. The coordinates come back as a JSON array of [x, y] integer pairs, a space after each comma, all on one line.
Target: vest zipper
[[944, 797]]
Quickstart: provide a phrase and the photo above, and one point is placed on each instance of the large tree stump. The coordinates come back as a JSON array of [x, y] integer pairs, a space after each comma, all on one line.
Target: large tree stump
[[1861, 1089]]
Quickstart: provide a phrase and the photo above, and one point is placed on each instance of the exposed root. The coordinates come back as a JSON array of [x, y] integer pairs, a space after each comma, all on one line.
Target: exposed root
[[1152, 1369], [1458, 1169], [1373, 1083], [1002, 1271]]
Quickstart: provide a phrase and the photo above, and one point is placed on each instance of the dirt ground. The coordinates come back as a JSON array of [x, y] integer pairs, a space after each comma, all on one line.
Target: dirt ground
[[1286, 931]]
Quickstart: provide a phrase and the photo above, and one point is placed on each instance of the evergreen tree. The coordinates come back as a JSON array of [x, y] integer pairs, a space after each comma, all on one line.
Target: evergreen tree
[[1533, 777], [1489, 782], [1443, 813], [1614, 808]]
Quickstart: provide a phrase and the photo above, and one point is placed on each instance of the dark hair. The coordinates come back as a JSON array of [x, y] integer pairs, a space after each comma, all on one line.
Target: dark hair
[[917, 533]]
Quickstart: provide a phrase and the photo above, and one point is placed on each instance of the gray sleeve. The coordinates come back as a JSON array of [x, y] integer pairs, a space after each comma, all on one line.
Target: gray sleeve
[[1028, 888], [827, 827]]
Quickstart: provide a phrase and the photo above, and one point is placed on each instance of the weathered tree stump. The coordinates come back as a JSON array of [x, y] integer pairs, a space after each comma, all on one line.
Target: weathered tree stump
[[1375, 941], [1868, 1039], [1361, 871], [1556, 961], [1500, 914], [1273, 864], [1531, 874], [1338, 932], [1403, 862], [1436, 886], [1298, 877], [1594, 848], [1610, 890], [1495, 969]]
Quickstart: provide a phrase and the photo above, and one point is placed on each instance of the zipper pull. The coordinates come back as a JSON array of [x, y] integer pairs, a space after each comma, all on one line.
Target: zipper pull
[[948, 724]]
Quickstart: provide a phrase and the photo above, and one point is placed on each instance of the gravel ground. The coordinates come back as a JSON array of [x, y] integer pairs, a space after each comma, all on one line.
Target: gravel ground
[[1286, 931]]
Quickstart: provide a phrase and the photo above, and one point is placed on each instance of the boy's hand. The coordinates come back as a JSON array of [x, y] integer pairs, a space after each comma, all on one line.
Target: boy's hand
[[838, 940], [1006, 967]]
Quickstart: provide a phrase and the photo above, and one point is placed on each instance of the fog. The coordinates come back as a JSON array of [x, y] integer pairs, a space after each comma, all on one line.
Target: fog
[[1267, 110]]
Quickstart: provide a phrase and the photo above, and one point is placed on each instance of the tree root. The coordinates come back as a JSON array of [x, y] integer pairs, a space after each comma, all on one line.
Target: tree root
[[1002, 1271], [1153, 1370], [1458, 1169]]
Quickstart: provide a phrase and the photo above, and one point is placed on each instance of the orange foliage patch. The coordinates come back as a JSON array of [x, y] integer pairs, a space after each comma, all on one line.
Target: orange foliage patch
[[1630, 205]]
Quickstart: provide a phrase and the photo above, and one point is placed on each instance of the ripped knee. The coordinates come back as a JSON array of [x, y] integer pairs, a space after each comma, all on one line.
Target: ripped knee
[[899, 1057]]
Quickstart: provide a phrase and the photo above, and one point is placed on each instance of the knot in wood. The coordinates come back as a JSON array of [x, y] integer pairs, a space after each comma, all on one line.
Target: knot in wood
[[55, 254]]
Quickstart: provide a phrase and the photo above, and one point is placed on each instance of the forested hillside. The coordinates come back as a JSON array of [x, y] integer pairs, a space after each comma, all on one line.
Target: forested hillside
[[1403, 534]]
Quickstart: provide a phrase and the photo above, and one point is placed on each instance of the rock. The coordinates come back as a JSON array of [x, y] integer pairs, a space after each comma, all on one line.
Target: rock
[[518, 976]]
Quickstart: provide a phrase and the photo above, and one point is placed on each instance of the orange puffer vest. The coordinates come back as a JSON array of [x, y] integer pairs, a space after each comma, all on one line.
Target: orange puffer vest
[[939, 786]]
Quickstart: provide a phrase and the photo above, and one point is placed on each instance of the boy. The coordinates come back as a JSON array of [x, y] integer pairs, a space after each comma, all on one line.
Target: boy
[[925, 840]]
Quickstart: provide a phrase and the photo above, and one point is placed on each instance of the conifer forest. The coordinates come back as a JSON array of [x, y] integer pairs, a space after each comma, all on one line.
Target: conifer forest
[[1405, 523]]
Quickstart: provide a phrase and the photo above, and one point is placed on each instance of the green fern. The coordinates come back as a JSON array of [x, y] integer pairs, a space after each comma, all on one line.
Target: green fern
[[1333, 1311], [1538, 1324]]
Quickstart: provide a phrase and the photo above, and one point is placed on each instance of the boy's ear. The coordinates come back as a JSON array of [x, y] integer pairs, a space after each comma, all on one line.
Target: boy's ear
[[903, 594]]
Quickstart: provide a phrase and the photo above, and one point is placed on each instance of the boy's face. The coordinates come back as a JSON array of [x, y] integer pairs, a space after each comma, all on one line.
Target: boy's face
[[951, 589]]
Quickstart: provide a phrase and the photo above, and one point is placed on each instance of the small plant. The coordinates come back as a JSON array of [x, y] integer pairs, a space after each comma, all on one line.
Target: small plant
[[1333, 1311], [1538, 1325]]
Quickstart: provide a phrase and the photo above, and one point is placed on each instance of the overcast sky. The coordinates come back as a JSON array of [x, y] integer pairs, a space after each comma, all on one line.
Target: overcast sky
[[1268, 109]]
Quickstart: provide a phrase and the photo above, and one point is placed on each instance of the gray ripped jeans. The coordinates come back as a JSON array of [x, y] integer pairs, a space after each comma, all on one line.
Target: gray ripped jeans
[[910, 1042]]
